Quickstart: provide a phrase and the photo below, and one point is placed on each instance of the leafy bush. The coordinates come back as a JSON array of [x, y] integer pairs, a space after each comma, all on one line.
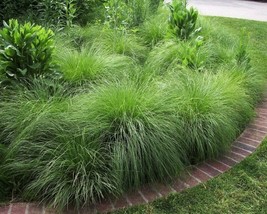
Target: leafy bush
[[117, 14], [57, 13], [170, 54], [14, 9], [182, 21], [25, 50], [140, 10], [125, 14]]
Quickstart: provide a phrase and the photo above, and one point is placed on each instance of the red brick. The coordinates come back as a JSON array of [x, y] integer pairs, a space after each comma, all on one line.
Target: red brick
[[253, 134], [260, 120], [149, 193], [199, 174], [34, 209], [263, 116], [18, 208], [121, 203], [263, 104], [247, 141], [191, 181], [209, 170], [244, 146], [227, 161], [240, 151], [261, 110], [234, 156], [135, 198], [163, 189], [4, 209], [258, 127], [217, 165], [178, 185]]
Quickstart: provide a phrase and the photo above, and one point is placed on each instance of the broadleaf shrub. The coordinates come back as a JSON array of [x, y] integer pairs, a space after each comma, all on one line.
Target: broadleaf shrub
[[25, 50], [58, 13], [182, 21]]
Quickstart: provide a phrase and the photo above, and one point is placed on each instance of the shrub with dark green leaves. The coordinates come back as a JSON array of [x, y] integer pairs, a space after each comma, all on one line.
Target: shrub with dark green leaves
[[51, 12], [25, 50], [182, 21], [13, 8]]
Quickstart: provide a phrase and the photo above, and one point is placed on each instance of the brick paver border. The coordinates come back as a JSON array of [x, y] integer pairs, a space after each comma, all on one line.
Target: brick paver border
[[243, 146]]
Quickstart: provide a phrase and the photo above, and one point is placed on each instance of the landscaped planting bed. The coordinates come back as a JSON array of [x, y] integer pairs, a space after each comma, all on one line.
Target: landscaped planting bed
[[91, 112]]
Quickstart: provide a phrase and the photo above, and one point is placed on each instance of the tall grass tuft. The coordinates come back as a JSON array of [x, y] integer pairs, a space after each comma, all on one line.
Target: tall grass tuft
[[92, 64], [138, 124], [50, 158], [212, 109], [155, 28], [119, 42], [5, 185]]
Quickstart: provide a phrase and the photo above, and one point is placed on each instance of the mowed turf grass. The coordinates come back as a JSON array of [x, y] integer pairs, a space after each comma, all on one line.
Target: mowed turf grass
[[243, 189]]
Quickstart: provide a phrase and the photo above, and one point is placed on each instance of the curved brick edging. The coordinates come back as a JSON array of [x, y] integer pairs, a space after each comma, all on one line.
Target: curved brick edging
[[243, 146]]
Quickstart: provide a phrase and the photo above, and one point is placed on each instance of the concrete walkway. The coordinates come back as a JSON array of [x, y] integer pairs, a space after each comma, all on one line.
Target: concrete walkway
[[243, 9]]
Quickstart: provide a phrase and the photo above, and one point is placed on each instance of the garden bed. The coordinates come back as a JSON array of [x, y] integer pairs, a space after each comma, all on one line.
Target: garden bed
[[114, 106]]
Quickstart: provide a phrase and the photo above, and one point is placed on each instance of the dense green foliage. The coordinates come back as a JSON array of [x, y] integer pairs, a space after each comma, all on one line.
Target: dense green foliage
[[240, 190], [25, 50], [243, 188], [58, 13], [182, 20], [133, 105]]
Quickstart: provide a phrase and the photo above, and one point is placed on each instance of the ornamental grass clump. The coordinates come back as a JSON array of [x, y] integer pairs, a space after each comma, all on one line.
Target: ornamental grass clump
[[124, 43], [92, 64], [50, 157], [5, 186], [212, 110], [138, 126], [155, 28]]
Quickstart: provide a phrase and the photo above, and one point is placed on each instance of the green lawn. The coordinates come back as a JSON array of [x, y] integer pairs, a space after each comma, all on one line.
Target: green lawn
[[243, 189], [257, 32]]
